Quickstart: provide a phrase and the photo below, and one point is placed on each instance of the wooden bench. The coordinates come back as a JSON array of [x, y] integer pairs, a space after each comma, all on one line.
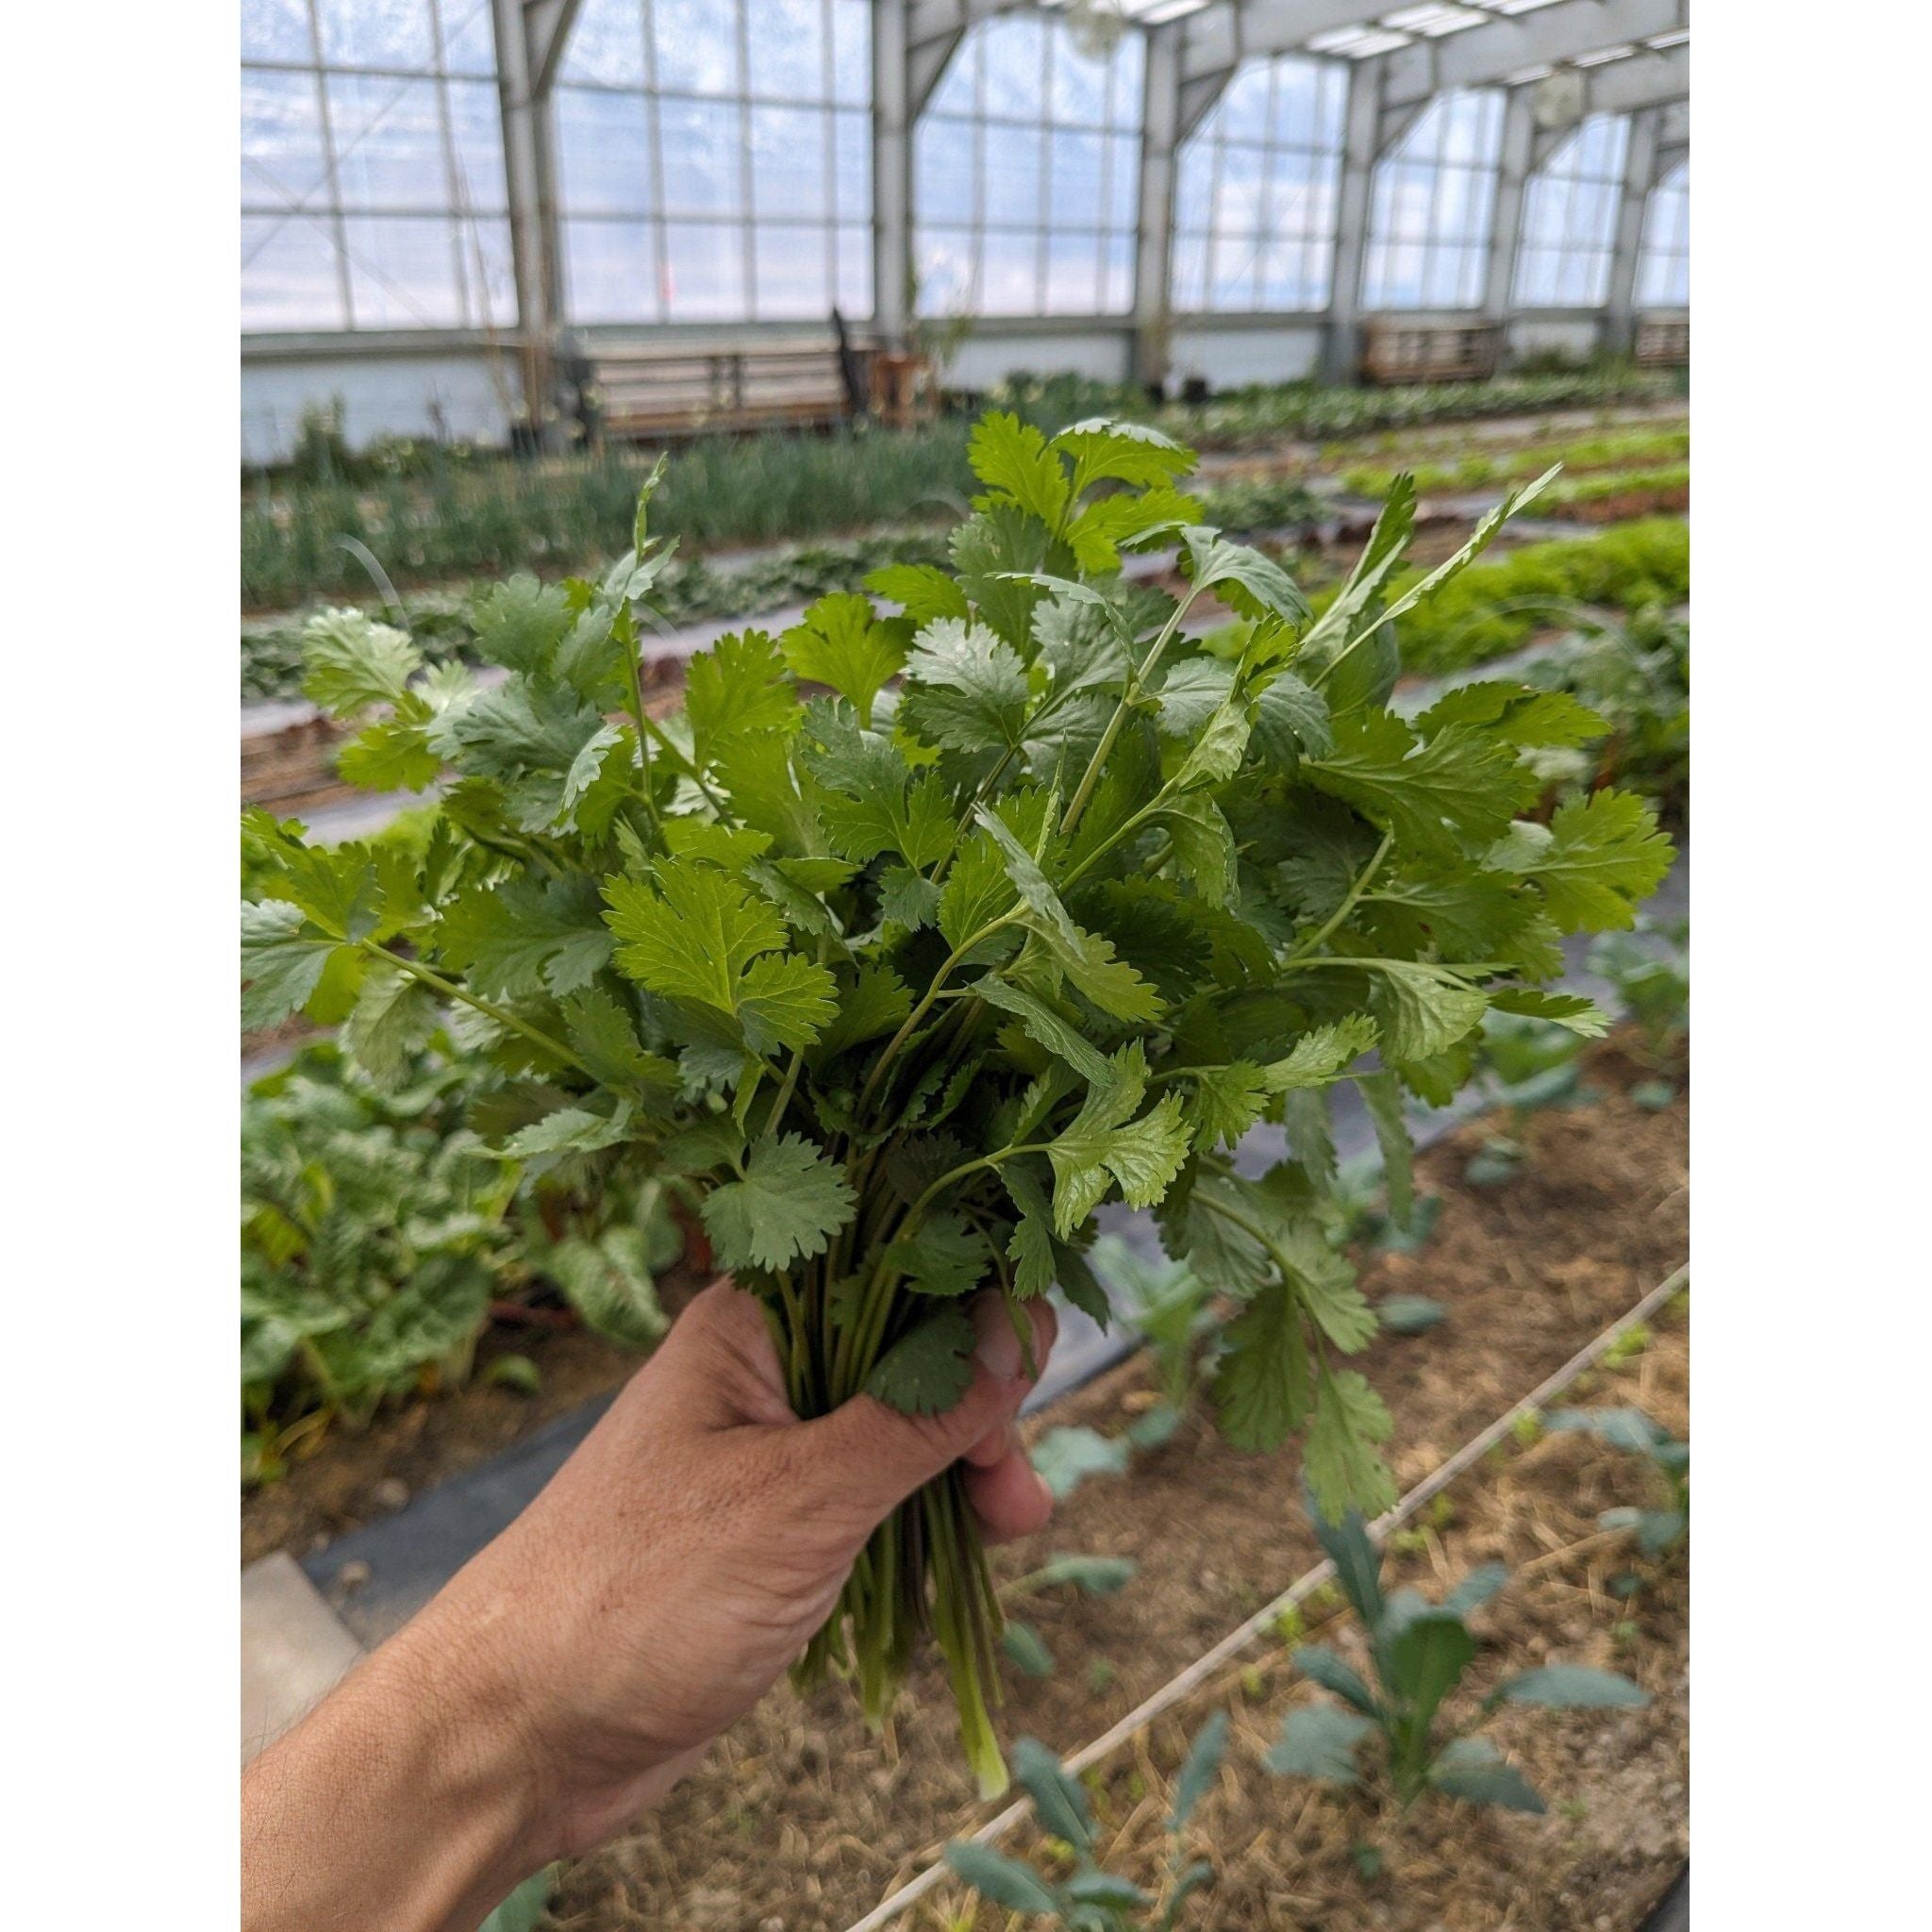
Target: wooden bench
[[1663, 341], [1430, 351], [634, 389]]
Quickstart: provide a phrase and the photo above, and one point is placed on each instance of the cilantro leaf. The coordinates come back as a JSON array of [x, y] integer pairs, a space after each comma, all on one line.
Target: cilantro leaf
[[929, 1368], [965, 687], [1011, 456], [787, 1204], [352, 662], [524, 938], [840, 641], [1344, 1468]]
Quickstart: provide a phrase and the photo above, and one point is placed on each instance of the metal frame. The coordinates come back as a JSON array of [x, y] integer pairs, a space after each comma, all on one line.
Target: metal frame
[[1631, 56]]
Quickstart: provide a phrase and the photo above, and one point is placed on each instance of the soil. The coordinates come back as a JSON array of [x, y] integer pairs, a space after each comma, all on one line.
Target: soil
[[1623, 506], [349, 1478], [801, 1822], [1285, 1852]]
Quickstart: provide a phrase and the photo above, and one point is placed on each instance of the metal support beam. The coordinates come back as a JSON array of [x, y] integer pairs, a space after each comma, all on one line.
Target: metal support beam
[[1552, 36], [1652, 80], [547, 23], [891, 173], [1361, 145], [1639, 177], [1160, 135], [1512, 175], [523, 170]]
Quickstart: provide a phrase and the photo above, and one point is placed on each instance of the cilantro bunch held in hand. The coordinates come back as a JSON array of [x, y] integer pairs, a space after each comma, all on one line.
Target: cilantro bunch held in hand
[[914, 938]]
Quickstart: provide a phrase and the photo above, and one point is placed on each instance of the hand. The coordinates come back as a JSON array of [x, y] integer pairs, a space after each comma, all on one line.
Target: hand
[[680, 1559]]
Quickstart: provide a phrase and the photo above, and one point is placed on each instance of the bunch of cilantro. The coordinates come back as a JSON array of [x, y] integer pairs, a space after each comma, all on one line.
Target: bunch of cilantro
[[913, 938]]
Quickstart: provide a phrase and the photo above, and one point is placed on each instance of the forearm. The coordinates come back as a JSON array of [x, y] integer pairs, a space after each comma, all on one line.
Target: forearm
[[405, 1801]]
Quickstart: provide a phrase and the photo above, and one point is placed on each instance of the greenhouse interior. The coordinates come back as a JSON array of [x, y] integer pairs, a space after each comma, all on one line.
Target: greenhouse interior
[[965, 984]]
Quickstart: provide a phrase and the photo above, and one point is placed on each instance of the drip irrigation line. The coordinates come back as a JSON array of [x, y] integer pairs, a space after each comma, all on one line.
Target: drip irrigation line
[[1237, 1639]]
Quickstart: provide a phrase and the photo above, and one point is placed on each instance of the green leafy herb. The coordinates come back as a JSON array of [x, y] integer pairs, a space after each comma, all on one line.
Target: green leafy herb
[[914, 939]]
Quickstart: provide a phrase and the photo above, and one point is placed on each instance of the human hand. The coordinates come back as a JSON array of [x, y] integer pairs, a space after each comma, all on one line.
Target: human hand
[[686, 1553]]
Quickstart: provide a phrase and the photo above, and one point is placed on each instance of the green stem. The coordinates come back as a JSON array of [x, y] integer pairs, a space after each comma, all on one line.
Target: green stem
[[503, 1017], [1349, 901], [1139, 677], [633, 669]]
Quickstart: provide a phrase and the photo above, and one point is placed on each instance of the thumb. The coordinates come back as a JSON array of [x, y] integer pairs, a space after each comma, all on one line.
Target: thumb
[[870, 1458]]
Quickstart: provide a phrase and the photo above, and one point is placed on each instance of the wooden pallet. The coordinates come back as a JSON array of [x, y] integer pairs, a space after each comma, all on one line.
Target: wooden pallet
[[1429, 351], [629, 391], [1663, 341]]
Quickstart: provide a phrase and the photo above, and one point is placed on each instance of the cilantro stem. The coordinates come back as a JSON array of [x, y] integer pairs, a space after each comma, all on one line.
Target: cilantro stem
[[1128, 693], [1349, 901], [633, 671], [503, 1017], [932, 992]]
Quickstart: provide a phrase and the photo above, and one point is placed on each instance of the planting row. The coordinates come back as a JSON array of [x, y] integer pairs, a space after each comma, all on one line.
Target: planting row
[[430, 515], [691, 588], [1166, 1539]]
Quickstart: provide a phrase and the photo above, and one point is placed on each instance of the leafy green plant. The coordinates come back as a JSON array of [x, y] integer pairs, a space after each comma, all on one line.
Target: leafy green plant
[[1091, 1898], [1526, 1065], [377, 1229], [1650, 969], [1580, 455], [1419, 1652], [1172, 1309], [1659, 1529], [1047, 903], [1099, 1576]]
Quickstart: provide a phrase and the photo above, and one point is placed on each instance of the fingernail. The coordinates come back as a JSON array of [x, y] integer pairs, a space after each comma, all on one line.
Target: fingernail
[[998, 1348]]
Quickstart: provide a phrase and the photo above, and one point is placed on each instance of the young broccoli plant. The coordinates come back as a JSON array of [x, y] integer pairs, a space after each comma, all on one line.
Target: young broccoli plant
[[1419, 1651], [1172, 1309], [1092, 1899], [921, 932], [1526, 1065], [1098, 1577], [1661, 1529]]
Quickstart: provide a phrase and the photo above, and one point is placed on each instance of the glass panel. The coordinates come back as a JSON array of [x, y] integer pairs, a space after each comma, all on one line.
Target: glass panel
[[1298, 96], [1073, 198], [1194, 186], [1014, 50], [946, 262], [603, 153], [853, 140], [376, 33], [702, 157], [490, 269], [958, 91], [855, 271], [1237, 203], [1243, 109], [610, 270], [852, 58], [1079, 82], [697, 48], [1190, 273], [1127, 93], [403, 272], [1010, 273], [288, 274], [1284, 281], [793, 269], [1012, 175], [785, 47], [475, 126], [943, 169], [1231, 272], [1073, 274], [787, 163], [706, 273], [281, 141], [275, 30], [606, 44], [469, 40], [1117, 275], [388, 146], [1123, 184]]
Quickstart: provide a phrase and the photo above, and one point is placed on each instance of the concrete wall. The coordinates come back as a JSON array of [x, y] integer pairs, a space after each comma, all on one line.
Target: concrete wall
[[1100, 350], [1228, 352], [1576, 335], [464, 394]]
